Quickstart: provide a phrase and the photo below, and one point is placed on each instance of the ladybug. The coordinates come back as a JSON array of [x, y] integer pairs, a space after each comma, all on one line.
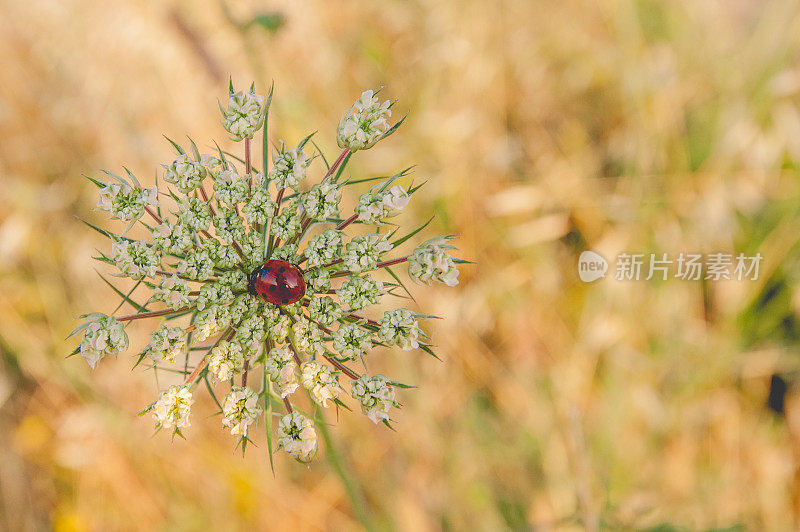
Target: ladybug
[[277, 282]]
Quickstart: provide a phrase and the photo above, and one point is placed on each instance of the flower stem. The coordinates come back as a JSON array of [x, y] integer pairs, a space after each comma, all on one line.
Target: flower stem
[[336, 163], [153, 314], [247, 164], [156, 217], [341, 367], [383, 264], [354, 492], [205, 198], [204, 362], [347, 222]]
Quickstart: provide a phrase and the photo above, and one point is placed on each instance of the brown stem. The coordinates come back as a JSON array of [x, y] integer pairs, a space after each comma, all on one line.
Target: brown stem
[[154, 215], [205, 198], [247, 164], [153, 314], [246, 366], [295, 354], [362, 318], [347, 222], [341, 367], [204, 362], [287, 404], [336, 163]]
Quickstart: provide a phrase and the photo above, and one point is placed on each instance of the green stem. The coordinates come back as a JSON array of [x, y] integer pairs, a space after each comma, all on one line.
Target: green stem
[[354, 491]]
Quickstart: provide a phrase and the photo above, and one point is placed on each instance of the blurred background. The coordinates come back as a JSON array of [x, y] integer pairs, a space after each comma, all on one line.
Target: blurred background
[[543, 129]]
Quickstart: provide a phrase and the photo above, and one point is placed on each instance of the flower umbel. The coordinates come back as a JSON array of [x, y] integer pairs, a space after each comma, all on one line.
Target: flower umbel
[[260, 275]]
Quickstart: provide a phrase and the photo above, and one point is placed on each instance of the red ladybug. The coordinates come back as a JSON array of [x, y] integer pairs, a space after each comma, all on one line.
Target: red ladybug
[[278, 282]]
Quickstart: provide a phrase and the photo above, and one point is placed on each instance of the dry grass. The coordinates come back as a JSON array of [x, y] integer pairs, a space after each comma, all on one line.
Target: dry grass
[[544, 128]]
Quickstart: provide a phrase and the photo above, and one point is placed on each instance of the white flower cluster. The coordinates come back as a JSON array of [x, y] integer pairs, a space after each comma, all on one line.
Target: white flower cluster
[[214, 294], [317, 280], [287, 224], [186, 174], [135, 258], [259, 208], [360, 291], [296, 435], [365, 123], [363, 252], [244, 115], [322, 202], [125, 202], [173, 408], [225, 360], [308, 337], [400, 327], [212, 321], [197, 265], [281, 367], [324, 248], [166, 343], [288, 166], [376, 396], [376, 205], [230, 187], [173, 291], [324, 311], [251, 333], [103, 336], [220, 254], [229, 225], [240, 409], [351, 341], [172, 238], [194, 213], [320, 381], [430, 261]]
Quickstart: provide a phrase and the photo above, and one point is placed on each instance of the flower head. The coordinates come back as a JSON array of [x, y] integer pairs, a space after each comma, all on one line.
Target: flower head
[[239, 409], [365, 123], [254, 272], [376, 396], [244, 114], [320, 381], [126, 202], [296, 435], [430, 262], [172, 408], [103, 336]]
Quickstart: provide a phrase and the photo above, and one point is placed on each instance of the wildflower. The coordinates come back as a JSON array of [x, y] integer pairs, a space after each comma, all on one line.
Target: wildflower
[[376, 396], [360, 291], [320, 381], [185, 173], [351, 341], [173, 408], [244, 115], [259, 208], [125, 202], [103, 336], [135, 259], [166, 343], [324, 248], [322, 202], [376, 205], [364, 252], [400, 327], [324, 311], [173, 291], [212, 321], [308, 337], [225, 360], [280, 366], [172, 238], [239, 409], [430, 261], [365, 123], [296, 435], [230, 187], [194, 213], [268, 279], [197, 265], [288, 166]]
